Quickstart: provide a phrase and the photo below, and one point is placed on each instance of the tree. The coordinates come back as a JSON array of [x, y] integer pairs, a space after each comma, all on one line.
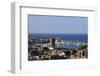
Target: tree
[[83, 47]]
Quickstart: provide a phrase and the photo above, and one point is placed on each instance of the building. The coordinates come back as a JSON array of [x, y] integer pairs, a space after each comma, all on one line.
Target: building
[[52, 42]]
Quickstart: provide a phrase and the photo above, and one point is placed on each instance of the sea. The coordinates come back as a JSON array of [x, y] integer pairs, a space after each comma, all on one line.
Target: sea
[[73, 39]]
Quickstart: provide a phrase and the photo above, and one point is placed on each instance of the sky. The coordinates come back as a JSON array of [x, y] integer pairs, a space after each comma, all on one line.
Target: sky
[[57, 24]]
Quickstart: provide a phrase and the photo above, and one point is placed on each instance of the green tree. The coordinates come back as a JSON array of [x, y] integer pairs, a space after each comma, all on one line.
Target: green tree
[[83, 47]]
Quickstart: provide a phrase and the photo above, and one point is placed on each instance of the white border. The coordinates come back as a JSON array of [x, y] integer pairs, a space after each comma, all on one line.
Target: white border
[[19, 38]]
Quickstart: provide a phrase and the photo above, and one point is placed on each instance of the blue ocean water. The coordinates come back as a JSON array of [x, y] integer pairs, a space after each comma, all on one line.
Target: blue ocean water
[[71, 37], [83, 38]]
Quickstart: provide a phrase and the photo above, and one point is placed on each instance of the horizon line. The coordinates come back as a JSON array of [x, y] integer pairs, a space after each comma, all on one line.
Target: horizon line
[[57, 33]]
